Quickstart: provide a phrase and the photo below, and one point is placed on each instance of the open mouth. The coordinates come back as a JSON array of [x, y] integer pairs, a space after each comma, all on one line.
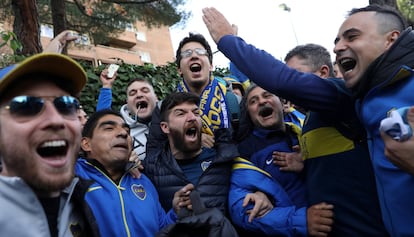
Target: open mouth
[[348, 64], [265, 111], [191, 132], [195, 67], [142, 104], [53, 148]]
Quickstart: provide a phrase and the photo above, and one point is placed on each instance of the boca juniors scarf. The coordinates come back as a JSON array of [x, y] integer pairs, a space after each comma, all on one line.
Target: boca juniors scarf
[[213, 106]]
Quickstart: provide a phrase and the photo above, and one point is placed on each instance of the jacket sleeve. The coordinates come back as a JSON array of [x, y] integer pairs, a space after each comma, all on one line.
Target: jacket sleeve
[[166, 218], [237, 73], [156, 137], [304, 89], [284, 220], [104, 99]]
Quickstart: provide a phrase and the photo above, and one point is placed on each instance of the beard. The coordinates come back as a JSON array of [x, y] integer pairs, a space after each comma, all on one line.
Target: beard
[[180, 143], [43, 180]]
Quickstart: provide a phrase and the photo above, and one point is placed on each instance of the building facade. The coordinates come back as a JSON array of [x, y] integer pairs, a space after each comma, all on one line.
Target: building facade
[[136, 45]]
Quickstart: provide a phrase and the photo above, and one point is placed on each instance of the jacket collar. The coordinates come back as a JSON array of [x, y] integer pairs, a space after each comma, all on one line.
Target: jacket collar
[[388, 65]]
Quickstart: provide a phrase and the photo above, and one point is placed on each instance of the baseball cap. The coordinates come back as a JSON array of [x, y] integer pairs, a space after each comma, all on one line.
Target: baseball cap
[[57, 65], [235, 83]]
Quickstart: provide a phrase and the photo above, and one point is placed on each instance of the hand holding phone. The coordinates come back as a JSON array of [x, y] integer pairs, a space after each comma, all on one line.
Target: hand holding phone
[[111, 70]]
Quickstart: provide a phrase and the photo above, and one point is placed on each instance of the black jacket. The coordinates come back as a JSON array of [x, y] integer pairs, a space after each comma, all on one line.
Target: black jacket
[[213, 185]]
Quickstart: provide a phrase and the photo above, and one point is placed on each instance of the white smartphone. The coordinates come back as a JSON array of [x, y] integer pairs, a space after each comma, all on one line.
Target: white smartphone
[[111, 70]]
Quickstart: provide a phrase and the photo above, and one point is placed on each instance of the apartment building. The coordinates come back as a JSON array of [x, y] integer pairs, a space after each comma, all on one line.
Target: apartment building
[[136, 45]]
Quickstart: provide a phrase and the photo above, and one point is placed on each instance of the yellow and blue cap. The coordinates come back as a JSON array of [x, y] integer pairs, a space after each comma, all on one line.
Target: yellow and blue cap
[[57, 65]]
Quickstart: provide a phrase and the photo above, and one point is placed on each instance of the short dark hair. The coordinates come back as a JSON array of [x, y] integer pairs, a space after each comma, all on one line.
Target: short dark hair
[[192, 37], [174, 99], [93, 121], [315, 55], [389, 17], [139, 79]]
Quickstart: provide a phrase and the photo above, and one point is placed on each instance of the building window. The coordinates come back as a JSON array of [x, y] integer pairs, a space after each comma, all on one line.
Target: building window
[[46, 31], [141, 36], [145, 57]]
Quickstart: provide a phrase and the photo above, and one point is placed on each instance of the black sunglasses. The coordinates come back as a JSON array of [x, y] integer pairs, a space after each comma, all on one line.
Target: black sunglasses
[[25, 106]]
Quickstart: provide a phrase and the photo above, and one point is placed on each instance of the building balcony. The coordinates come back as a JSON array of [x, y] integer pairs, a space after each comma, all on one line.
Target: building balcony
[[125, 40]]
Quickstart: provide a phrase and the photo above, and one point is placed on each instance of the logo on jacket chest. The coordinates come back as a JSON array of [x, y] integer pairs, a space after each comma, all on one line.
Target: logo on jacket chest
[[205, 165], [139, 191]]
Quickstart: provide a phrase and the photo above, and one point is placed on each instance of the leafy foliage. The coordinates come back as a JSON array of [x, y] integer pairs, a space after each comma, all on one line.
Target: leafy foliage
[[9, 39], [106, 18], [407, 9], [163, 78]]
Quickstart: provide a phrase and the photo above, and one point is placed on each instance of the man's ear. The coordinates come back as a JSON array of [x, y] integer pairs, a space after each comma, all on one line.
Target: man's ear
[[323, 71], [211, 68], [164, 127], [391, 38], [86, 144]]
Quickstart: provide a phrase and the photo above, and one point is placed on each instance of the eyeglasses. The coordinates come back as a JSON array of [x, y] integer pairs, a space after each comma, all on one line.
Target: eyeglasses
[[26, 107], [188, 52]]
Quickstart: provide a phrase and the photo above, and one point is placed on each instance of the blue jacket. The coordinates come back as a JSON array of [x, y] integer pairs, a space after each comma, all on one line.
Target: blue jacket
[[130, 208], [332, 171], [258, 148], [286, 219], [389, 84], [104, 99]]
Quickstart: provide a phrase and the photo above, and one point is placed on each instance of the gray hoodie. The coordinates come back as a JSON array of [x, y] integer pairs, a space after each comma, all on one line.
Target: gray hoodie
[[22, 214], [139, 132]]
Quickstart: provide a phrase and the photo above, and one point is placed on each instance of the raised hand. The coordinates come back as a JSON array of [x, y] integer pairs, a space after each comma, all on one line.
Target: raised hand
[[217, 24]]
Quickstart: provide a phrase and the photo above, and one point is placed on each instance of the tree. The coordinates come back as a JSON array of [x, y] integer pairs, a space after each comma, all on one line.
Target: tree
[[100, 19], [26, 26], [407, 9]]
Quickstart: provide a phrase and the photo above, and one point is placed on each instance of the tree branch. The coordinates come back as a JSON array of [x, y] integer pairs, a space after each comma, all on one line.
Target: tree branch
[[130, 1]]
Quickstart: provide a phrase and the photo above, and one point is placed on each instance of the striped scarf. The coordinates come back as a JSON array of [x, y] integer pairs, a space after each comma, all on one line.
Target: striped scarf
[[213, 107]]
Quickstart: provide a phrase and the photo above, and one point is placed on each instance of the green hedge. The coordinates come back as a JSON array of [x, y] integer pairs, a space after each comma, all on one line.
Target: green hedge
[[163, 78]]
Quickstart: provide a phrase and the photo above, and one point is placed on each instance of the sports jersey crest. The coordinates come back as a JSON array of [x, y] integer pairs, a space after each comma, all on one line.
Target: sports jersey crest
[[139, 191]]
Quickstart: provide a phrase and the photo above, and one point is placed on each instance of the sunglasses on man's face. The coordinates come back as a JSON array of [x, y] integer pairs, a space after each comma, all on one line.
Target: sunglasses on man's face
[[188, 52], [26, 107]]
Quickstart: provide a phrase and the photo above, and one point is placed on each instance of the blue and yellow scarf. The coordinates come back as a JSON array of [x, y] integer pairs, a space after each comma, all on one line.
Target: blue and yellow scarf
[[213, 107]]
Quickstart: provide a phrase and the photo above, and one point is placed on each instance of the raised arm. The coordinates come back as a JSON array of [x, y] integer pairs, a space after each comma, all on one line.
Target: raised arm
[[304, 89]]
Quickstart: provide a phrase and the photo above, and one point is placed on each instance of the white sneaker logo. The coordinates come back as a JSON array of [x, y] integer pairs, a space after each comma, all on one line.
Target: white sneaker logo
[[270, 161]]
